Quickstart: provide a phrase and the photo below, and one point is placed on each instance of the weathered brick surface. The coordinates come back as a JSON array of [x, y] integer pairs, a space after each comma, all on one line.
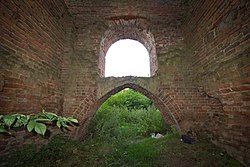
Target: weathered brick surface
[[111, 21], [32, 43], [199, 54], [128, 28], [217, 32]]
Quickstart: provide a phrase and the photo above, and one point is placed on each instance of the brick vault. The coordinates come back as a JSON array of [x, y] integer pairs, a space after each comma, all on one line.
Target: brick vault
[[52, 56]]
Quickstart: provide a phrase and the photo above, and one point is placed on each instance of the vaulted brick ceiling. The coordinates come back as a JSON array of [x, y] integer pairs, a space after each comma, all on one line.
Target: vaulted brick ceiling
[[92, 18], [87, 11]]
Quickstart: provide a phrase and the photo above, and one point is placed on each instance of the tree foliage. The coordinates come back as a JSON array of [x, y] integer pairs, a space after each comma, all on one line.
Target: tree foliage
[[127, 114], [128, 98]]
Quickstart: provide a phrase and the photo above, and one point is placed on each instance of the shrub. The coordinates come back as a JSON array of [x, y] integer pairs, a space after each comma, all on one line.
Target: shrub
[[128, 114]]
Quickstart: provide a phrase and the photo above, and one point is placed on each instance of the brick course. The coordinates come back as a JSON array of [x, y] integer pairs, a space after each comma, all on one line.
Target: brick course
[[217, 32], [52, 56], [32, 41]]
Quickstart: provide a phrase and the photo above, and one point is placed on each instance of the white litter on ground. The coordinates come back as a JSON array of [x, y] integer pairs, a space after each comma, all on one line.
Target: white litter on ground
[[156, 136]]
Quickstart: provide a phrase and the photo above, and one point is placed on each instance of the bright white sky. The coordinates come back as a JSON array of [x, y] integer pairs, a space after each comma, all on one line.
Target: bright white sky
[[127, 58]]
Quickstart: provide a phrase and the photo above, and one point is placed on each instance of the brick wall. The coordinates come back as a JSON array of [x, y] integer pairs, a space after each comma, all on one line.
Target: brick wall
[[193, 108], [32, 43], [217, 34], [50, 58], [92, 22]]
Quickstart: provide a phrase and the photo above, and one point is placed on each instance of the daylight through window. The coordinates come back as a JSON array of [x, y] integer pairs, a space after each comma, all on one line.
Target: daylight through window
[[127, 58]]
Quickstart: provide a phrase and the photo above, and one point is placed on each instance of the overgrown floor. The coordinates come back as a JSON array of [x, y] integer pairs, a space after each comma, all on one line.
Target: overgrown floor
[[168, 151]]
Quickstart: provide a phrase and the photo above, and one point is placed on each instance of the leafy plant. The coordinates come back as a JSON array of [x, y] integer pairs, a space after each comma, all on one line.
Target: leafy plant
[[127, 114], [128, 98], [34, 122]]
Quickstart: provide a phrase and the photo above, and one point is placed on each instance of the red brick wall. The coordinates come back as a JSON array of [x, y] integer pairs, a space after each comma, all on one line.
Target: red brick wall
[[185, 106], [32, 46], [92, 20], [217, 33], [32, 36], [50, 59], [173, 81]]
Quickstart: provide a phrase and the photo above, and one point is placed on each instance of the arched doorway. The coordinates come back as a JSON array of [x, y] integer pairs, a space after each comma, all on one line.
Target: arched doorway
[[168, 116]]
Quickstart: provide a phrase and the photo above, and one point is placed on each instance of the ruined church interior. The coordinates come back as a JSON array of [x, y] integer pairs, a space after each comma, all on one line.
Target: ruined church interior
[[52, 56]]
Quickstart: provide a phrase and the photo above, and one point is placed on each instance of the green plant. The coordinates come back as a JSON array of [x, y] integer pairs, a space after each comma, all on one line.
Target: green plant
[[127, 114], [137, 152], [128, 98], [34, 122]]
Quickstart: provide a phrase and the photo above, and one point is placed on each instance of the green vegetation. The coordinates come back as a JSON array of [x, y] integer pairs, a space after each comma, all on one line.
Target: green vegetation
[[36, 122], [119, 136], [126, 115], [168, 151], [127, 98]]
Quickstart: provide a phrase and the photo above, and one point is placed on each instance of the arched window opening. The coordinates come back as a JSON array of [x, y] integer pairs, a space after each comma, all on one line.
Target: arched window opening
[[127, 58], [127, 115]]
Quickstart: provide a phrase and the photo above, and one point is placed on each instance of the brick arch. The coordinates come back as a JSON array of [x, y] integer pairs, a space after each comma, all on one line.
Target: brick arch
[[128, 29], [166, 112]]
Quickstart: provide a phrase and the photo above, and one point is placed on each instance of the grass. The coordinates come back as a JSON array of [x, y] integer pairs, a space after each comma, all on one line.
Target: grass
[[119, 136], [168, 151]]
